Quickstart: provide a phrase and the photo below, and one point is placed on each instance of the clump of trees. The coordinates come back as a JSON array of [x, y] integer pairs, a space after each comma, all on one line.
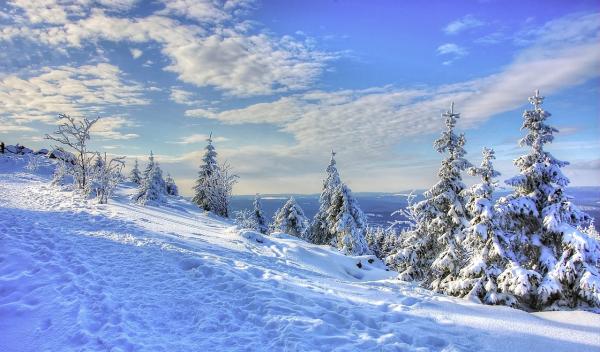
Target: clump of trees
[[530, 249], [91, 172]]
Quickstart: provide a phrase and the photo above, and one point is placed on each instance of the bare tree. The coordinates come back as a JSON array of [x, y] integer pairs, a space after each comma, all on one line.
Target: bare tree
[[107, 175], [75, 133]]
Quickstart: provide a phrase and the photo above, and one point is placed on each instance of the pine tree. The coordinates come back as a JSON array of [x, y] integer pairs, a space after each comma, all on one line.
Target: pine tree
[[134, 175], [347, 222], [207, 169], [485, 242], [170, 186], [555, 263], [153, 187], [319, 230], [431, 250], [290, 219], [259, 216]]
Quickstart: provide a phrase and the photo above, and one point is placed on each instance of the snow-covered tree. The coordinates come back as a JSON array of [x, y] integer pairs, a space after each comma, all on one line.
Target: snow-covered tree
[[319, 229], [75, 134], [347, 222], [340, 221], [170, 186], [290, 219], [555, 263], [134, 175], [382, 241], [153, 187], [245, 219], [486, 245], [106, 176], [217, 188], [431, 250], [208, 167], [259, 216]]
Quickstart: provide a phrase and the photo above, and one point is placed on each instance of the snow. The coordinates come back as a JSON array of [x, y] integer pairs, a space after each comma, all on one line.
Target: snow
[[81, 276]]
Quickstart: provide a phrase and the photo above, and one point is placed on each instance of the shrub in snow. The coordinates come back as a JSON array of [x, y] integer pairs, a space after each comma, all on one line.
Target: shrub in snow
[[134, 174], [106, 176], [33, 163], [259, 216], [382, 242], [153, 187], [214, 184], [245, 219], [171, 187], [486, 245], [290, 219], [555, 263], [75, 134]]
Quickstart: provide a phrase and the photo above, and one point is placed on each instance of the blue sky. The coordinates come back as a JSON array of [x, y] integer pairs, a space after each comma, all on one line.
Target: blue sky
[[281, 83]]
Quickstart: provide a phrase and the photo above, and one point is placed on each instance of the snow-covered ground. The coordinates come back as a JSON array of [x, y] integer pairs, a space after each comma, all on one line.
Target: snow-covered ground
[[77, 276]]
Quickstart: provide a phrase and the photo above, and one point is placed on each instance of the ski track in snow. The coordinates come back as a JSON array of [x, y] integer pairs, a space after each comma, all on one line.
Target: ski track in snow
[[76, 276]]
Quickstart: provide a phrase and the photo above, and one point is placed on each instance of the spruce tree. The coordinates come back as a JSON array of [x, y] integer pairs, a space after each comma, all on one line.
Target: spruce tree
[[554, 262], [485, 242], [290, 219], [431, 250], [153, 187], [347, 222], [134, 175], [259, 216], [207, 169], [319, 230]]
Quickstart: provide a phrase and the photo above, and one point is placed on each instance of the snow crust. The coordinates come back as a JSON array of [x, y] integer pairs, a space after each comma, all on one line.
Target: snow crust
[[81, 276]]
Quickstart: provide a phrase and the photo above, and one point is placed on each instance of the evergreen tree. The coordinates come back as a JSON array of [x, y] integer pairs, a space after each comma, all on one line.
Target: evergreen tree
[[290, 219], [347, 222], [259, 216], [170, 186], [554, 263], [431, 250], [134, 175], [486, 244], [319, 230], [203, 183], [153, 187]]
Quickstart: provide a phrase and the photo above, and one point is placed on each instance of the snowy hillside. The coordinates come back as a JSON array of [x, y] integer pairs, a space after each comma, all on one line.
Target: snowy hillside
[[78, 276]]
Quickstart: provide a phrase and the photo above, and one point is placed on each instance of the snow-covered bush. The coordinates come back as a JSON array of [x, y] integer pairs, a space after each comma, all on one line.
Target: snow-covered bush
[[75, 134], [290, 219], [261, 222], [171, 187], [153, 188], [134, 174], [107, 175], [245, 219], [33, 163]]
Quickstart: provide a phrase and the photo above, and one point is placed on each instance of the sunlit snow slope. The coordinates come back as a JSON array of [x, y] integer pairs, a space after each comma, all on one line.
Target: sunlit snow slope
[[77, 276]]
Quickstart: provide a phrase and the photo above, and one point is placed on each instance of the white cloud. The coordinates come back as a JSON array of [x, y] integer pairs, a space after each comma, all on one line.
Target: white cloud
[[453, 50], [462, 24], [199, 138], [83, 90], [136, 53], [366, 124], [220, 55], [109, 128], [181, 96]]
